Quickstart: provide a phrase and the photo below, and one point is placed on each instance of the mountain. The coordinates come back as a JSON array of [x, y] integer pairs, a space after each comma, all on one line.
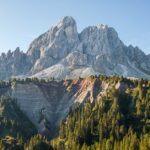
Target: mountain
[[47, 103], [148, 56], [63, 53], [93, 112]]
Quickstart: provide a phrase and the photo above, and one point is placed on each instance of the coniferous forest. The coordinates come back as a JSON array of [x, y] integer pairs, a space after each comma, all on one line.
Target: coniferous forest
[[119, 120]]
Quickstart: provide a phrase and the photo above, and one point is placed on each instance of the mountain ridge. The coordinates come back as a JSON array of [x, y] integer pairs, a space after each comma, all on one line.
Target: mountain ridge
[[63, 53]]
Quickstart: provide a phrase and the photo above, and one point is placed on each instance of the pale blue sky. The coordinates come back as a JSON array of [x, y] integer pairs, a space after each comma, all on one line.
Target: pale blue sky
[[23, 20]]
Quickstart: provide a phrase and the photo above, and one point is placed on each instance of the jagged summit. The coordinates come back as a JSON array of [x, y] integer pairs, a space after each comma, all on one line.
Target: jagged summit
[[62, 52], [102, 26], [67, 21]]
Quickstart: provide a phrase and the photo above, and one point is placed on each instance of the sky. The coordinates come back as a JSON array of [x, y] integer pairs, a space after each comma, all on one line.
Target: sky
[[21, 21]]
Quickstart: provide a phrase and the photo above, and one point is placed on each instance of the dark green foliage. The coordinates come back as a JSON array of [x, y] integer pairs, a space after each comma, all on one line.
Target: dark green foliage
[[38, 143], [9, 143], [118, 121], [13, 122]]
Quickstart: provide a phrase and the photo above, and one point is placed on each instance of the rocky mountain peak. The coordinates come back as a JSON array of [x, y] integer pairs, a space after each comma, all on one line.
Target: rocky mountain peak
[[100, 39], [102, 26], [66, 29], [67, 21], [62, 52], [16, 52]]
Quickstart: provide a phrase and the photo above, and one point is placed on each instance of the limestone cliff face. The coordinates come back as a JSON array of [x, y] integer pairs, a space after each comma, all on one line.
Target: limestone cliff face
[[49, 48], [13, 64], [46, 104], [63, 53]]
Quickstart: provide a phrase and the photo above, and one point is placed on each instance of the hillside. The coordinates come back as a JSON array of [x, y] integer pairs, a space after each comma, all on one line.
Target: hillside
[[85, 113], [116, 121], [13, 121], [15, 127]]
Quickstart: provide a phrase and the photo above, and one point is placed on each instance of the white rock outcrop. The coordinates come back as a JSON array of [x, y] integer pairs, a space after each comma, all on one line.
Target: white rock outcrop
[[62, 52]]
